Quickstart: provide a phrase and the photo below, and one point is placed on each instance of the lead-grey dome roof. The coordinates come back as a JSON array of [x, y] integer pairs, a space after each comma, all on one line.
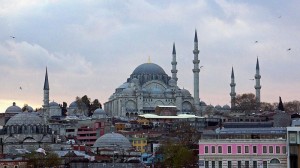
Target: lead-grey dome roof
[[25, 118], [13, 109], [112, 141], [149, 68]]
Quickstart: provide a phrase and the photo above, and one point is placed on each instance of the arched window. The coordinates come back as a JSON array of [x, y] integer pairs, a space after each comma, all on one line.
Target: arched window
[[274, 161]]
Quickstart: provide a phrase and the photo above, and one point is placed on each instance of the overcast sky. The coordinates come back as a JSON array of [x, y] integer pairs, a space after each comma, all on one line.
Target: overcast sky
[[91, 47]]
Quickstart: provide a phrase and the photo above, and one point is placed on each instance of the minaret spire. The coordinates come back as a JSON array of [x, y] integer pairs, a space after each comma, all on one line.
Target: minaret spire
[[174, 63], [232, 93], [196, 71], [46, 91], [257, 84]]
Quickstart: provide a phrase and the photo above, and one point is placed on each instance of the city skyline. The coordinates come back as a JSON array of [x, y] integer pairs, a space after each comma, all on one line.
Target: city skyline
[[91, 48]]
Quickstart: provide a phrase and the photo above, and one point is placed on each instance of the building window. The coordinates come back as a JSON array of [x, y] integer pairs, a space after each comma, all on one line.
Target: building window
[[239, 149], [229, 164], [206, 149], [264, 149], [228, 149], [265, 164], [206, 164], [219, 149], [254, 164], [277, 149], [213, 149], [247, 164], [220, 164], [270, 149], [213, 164], [246, 149], [239, 164], [254, 149], [284, 150]]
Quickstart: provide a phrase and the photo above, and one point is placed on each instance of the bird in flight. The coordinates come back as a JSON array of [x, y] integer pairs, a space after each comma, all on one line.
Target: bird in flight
[[201, 67], [279, 17], [20, 88], [256, 42], [12, 36], [289, 49]]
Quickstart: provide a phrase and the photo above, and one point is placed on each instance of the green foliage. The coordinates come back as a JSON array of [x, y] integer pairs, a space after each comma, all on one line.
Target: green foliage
[[245, 102], [177, 156], [85, 100], [36, 159]]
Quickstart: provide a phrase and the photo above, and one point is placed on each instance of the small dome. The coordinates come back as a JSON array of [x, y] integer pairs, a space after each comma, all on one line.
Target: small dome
[[226, 107], [99, 111], [13, 109], [53, 104], [218, 107], [29, 109], [112, 141], [124, 85], [202, 103], [148, 68], [135, 81], [25, 118], [185, 92], [75, 105]]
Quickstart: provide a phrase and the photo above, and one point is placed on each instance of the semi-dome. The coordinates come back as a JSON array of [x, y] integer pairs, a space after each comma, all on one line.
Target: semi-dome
[[25, 118], [112, 141], [218, 107], [149, 68], [13, 109], [128, 91], [156, 91], [185, 92]]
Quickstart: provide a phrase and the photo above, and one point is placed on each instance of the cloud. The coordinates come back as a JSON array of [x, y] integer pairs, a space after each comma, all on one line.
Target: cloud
[[92, 47]]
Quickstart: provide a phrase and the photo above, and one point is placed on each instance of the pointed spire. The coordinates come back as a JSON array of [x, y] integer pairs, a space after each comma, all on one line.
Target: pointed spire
[[232, 73], [257, 64], [46, 83], [149, 60], [280, 105], [196, 38], [174, 50]]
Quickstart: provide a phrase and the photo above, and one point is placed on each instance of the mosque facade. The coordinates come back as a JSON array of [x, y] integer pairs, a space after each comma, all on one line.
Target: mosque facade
[[149, 86]]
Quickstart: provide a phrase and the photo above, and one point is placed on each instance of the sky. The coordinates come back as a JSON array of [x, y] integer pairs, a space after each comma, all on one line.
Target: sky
[[91, 47]]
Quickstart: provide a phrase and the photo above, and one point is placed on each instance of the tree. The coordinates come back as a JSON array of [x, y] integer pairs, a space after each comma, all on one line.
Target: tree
[[64, 109], [245, 102], [292, 106], [37, 159], [25, 107], [176, 156], [264, 106]]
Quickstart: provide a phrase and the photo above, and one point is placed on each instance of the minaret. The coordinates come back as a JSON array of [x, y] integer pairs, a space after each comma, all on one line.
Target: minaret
[[46, 91], [257, 84], [174, 63], [196, 71], [232, 93]]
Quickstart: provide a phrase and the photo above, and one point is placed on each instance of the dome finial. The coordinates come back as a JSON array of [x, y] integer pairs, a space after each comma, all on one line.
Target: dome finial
[[149, 60]]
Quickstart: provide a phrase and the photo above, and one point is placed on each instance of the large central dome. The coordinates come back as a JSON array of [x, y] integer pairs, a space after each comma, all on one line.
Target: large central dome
[[149, 68]]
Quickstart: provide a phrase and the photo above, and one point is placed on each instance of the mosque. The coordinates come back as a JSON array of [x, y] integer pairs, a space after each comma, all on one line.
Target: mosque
[[149, 86]]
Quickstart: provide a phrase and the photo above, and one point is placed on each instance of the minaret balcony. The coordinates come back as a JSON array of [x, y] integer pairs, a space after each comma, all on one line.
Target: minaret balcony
[[196, 70], [196, 51], [196, 61]]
